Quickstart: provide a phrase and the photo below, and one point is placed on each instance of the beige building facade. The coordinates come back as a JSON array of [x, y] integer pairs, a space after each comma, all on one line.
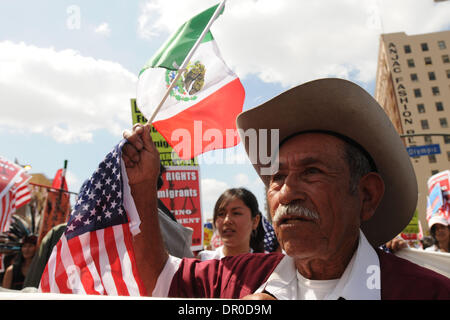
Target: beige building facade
[[413, 87]]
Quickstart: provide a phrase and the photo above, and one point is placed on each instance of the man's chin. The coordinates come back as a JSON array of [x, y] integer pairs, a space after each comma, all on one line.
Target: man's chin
[[300, 250]]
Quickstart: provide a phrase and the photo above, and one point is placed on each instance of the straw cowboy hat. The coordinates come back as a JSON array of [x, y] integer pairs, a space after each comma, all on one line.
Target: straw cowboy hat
[[342, 107]]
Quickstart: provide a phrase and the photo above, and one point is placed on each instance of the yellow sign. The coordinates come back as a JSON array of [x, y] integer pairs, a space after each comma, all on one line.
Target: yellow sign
[[167, 156]]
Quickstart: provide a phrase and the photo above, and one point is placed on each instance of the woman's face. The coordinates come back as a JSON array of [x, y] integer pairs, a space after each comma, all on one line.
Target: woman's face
[[442, 232], [28, 250], [235, 224]]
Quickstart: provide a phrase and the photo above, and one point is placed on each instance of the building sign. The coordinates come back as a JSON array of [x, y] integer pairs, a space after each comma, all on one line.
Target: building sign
[[401, 92], [417, 151]]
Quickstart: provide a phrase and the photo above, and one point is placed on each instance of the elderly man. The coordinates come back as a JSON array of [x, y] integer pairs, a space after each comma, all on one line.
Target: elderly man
[[340, 185]]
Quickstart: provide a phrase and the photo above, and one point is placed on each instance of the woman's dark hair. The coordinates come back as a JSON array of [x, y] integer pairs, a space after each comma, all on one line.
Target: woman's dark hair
[[249, 199], [160, 182]]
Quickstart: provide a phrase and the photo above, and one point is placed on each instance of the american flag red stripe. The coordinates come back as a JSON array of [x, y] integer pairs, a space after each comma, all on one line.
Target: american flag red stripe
[[95, 255], [14, 191], [135, 274], [76, 247], [60, 272], [7, 208], [114, 262], [23, 195]]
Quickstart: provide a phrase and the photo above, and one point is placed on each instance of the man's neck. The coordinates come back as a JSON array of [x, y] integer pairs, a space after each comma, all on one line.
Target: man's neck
[[327, 268]]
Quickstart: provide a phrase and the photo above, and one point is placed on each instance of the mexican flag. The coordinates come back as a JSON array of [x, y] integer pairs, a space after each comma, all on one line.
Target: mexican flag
[[200, 112]]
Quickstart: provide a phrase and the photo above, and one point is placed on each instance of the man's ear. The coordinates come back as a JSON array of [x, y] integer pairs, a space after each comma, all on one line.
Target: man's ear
[[371, 188]]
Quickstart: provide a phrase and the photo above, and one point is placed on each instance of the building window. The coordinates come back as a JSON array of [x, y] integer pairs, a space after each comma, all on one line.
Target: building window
[[432, 158], [447, 139], [414, 77], [424, 46], [441, 45], [439, 106], [417, 93], [433, 172], [427, 60], [435, 91], [443, 122], [424, 124], [427, 139], [410, 63], [445, 58], [448, 73], [448, 155], [421, 108], [407, 48], [431, 76]]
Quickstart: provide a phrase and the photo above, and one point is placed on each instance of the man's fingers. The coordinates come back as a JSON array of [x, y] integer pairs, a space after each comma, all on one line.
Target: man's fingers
[[130, 153], [147, 138], [134, 136], [128, 163]]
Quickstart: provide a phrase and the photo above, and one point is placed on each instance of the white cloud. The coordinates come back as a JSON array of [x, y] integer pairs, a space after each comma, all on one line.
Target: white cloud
[[241, 179], [103, 29], [290, 42], [62, 94], [73, 182]]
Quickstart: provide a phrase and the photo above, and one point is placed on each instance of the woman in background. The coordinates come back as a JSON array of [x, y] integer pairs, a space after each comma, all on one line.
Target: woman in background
[[440, 232], [237, 221], [16, 272]]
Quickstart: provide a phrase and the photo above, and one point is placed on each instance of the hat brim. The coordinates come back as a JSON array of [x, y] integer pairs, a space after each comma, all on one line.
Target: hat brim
[[437, 219], [340, 106]]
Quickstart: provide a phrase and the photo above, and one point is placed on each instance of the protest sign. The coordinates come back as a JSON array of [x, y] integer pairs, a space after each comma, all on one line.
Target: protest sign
[[180, 193]]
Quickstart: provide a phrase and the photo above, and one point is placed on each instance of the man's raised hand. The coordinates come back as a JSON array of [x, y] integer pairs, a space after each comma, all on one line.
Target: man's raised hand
[[140, 156]]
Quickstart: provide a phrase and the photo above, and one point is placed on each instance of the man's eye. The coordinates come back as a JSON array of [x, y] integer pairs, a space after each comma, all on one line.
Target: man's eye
[[312, 170], [278, 177]]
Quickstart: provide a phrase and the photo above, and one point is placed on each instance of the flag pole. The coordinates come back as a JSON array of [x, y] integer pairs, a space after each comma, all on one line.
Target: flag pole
[[186, 60]]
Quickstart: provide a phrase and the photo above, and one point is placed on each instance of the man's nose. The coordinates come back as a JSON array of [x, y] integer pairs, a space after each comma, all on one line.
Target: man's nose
[[291, 190]]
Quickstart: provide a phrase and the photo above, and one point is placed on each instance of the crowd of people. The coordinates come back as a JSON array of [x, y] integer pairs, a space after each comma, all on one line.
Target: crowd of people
[[335, 199]]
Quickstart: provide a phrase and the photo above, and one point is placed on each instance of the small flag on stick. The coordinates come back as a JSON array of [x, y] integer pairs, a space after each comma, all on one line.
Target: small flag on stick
[[188, 92]]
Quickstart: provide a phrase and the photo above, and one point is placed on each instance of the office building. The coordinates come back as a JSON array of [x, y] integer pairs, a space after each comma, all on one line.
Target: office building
[[413, 87]]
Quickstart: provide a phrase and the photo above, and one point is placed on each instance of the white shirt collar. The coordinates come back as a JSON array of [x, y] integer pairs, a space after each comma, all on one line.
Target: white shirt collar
[[360, 280]]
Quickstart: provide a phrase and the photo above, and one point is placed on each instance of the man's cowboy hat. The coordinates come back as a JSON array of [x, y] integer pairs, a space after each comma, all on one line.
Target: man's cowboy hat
[[342, 107]]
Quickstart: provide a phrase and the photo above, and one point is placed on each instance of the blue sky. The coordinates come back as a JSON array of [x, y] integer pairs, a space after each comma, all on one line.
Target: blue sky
[[66, 85]]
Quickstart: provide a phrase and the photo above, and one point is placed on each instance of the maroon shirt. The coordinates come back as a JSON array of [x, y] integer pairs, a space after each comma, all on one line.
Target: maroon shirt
[[238, 276]]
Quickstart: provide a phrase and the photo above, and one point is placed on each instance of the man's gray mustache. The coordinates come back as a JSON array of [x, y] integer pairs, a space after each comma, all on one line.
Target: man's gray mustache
[[294, 209]]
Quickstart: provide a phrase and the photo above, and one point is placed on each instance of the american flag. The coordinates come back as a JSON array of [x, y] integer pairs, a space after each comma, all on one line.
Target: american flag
[[14, 191], [95, 254], [270, 238]]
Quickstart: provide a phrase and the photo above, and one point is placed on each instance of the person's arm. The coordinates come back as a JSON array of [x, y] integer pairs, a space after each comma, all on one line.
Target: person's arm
[[141, 160], [8, 277]]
